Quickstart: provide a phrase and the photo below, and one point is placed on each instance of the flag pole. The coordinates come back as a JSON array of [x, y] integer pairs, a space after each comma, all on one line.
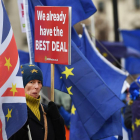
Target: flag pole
[[27, 35], [116, 24], [52, 82], [116, 21]]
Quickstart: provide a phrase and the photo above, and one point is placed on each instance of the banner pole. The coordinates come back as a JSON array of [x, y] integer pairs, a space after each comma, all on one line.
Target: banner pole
[[52, 82]]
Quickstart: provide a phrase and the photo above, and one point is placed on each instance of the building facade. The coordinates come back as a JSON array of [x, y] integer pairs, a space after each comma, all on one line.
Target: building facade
[[128, 17]]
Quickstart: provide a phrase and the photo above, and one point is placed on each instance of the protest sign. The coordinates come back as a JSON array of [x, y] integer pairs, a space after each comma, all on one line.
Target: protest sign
[[52, 34]]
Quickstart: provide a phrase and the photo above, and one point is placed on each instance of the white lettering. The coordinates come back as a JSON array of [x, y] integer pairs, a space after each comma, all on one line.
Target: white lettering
[[37, 44], [57, 32], [45, 31], [59, 46], [40, 15], [56, 17], [41, 45], [53, 46]]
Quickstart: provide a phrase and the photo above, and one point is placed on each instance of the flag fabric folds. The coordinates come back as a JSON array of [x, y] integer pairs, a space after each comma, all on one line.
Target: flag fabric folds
[[81, 9], [77, 130], [131, 38], [106, 70], [13, 110], [117, 49], [91, 96], [108, 73]]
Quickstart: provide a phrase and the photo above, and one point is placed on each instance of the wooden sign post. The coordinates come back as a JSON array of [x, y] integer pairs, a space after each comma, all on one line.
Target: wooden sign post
[[52, 37], [52, 82]]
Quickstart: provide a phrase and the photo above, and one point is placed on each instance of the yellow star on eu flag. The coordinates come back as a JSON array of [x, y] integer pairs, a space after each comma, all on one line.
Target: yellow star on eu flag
[[69, 92], [133, 128], [105, 54], [34, 70], [31, 65], [13, 89], [68, 72], [137, 122], [73, 109], [22, 71], [9, 114], [8, 64]]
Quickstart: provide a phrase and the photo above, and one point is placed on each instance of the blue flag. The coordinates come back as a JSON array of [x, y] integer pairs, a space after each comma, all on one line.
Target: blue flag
[[81, 9], [87, 90], [109, 73], [117, 49], [24, 57], [91, 96], [106, 70], [131, 38], [77, 130]]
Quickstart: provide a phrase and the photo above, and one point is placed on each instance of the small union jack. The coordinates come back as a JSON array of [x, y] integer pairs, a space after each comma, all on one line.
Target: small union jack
[[13, 109]]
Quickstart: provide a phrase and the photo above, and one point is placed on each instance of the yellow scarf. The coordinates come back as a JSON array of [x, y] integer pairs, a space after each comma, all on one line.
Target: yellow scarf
[[33, 104]]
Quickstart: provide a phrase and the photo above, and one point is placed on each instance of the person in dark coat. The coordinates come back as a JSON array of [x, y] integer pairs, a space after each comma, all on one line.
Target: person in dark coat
[[44, 122], [128, 117]]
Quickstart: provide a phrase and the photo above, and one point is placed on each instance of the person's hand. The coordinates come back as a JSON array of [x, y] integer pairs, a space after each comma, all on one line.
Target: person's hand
[[52, 110]]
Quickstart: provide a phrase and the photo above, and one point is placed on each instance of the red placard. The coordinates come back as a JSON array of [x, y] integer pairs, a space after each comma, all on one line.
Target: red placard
[[53, 34]]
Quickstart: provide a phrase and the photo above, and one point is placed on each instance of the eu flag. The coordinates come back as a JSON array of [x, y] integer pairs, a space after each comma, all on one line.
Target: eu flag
[[108, 73], [131, 38], [117, 49], [106, 70], [81, 9], [90, 94], [77, 130]]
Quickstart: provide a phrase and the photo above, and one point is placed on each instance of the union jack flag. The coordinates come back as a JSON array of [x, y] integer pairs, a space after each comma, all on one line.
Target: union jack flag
[[13, 110]]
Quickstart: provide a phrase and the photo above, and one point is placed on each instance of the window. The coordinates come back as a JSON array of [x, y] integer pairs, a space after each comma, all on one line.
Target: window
[[137, 4], [101, 6]]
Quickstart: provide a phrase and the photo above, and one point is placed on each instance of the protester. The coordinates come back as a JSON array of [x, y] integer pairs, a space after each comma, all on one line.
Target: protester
[[128, 117], [45, 122], [127, 114], [135, 108]]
